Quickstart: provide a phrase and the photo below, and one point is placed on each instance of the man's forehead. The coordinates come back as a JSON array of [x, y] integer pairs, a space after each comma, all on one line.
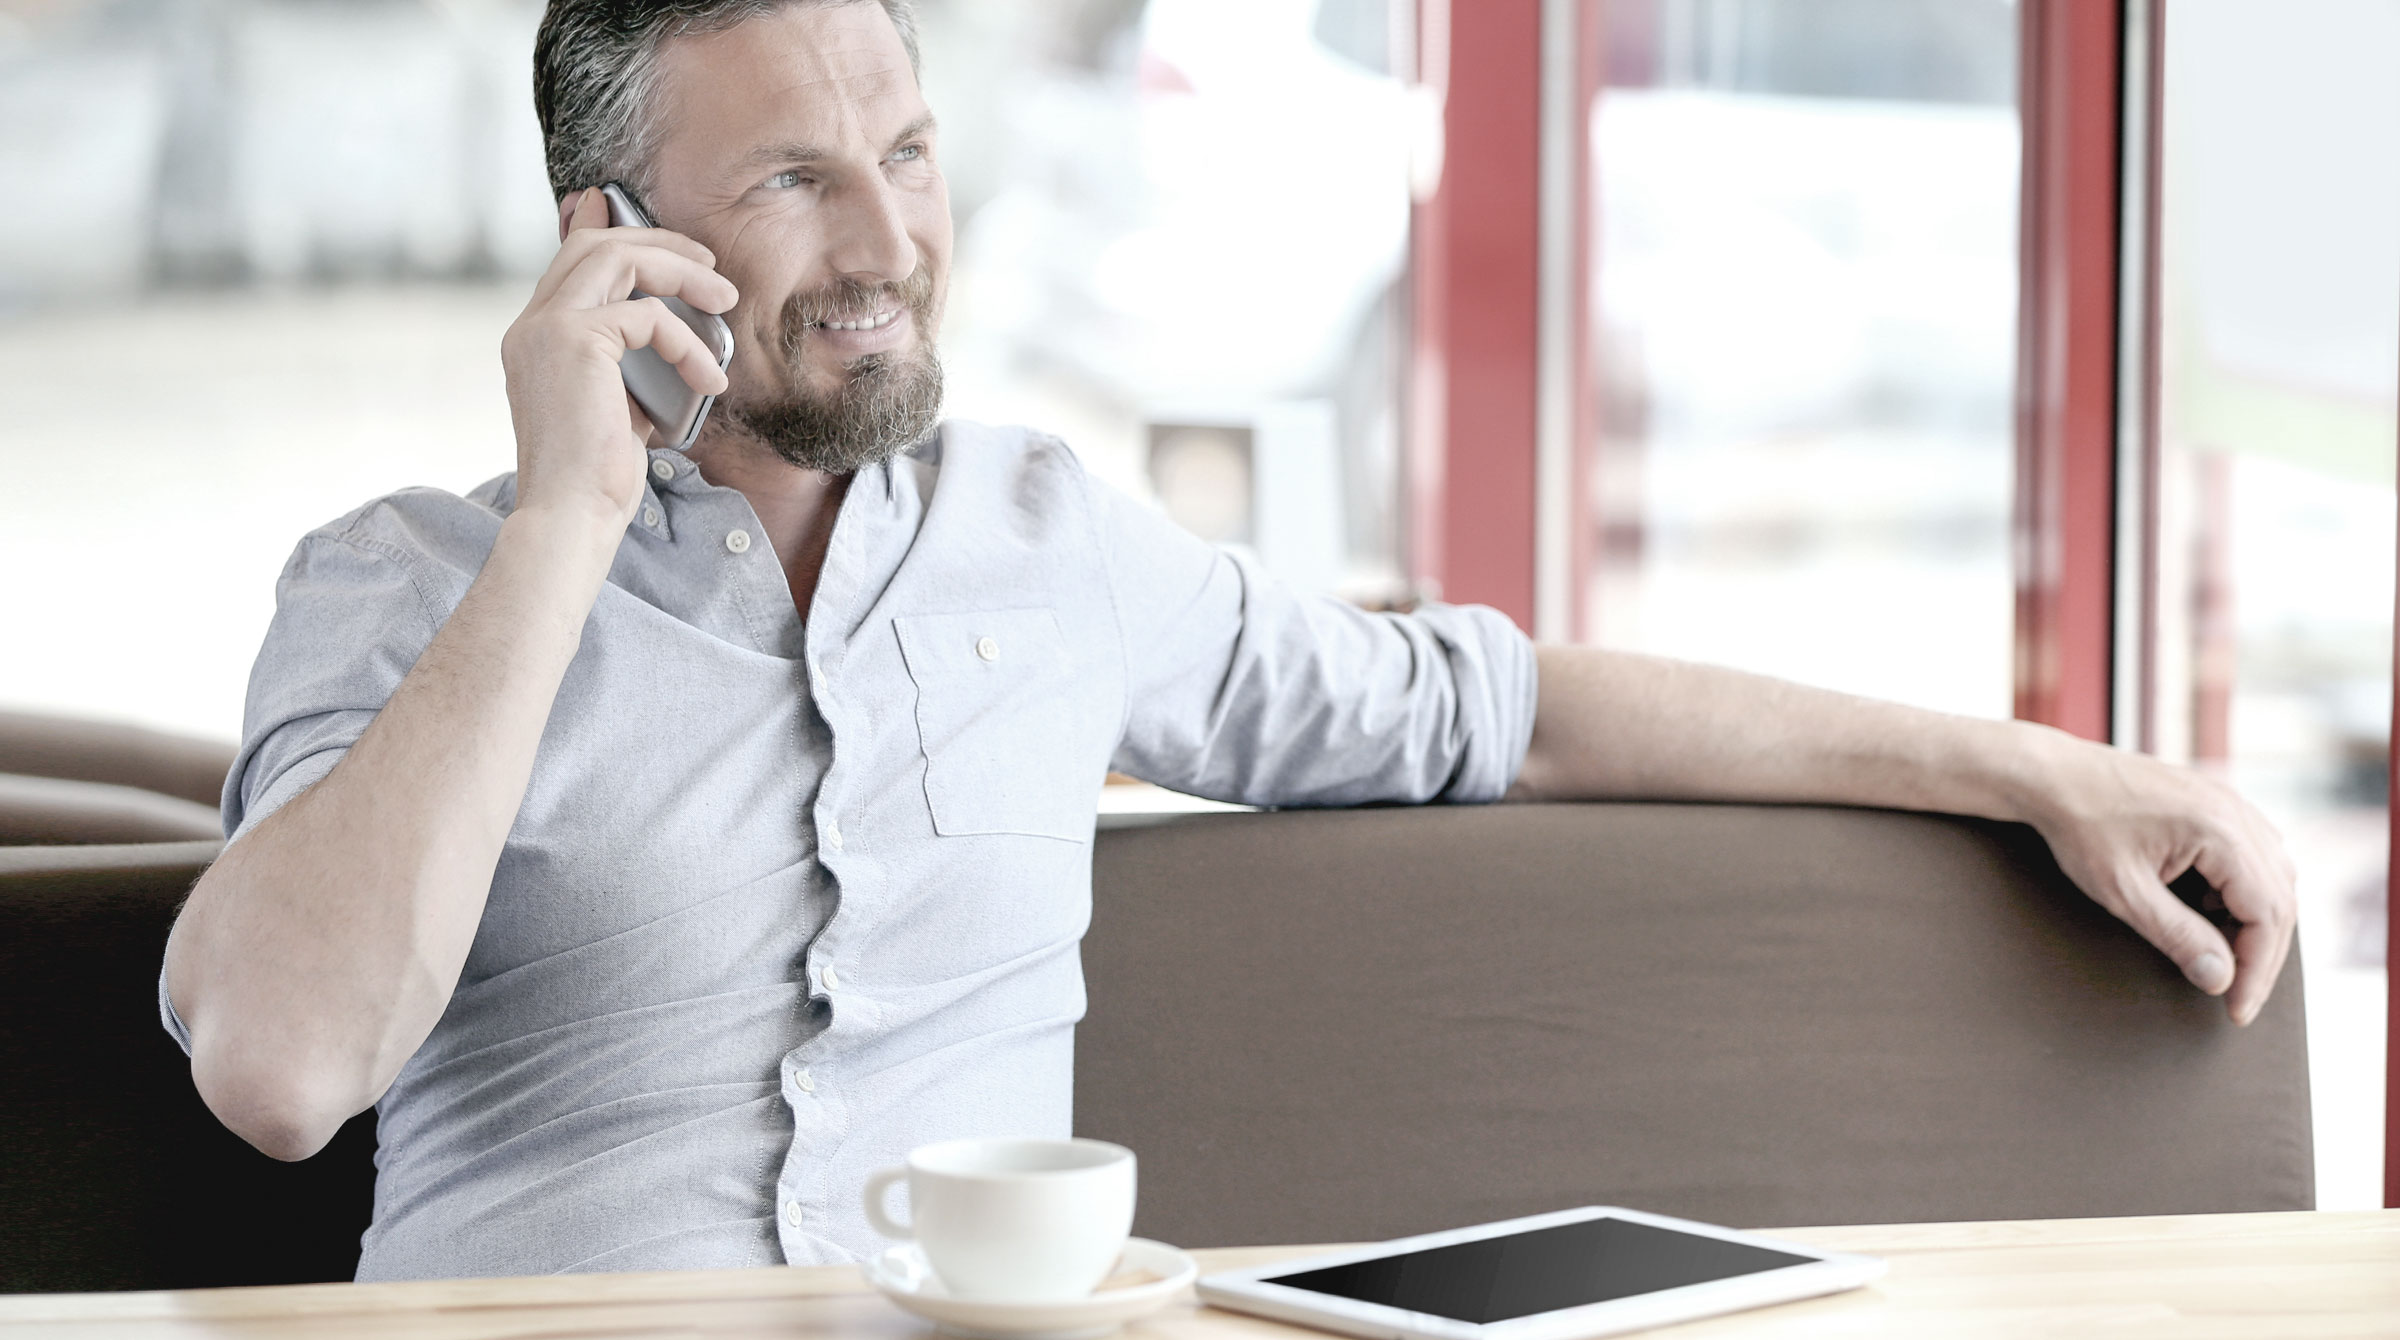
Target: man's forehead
[[821, 73]]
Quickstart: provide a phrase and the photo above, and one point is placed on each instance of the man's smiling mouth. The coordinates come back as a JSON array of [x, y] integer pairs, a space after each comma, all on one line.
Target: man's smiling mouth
[[876, 322]]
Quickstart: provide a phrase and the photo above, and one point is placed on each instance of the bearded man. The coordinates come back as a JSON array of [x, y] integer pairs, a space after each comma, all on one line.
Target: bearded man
[[661, 841]]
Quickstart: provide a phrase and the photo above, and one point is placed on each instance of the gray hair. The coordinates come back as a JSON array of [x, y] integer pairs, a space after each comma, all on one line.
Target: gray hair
[[595, 74]]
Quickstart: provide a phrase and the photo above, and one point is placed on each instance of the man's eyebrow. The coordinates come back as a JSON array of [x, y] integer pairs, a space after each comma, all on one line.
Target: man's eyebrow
[[796, 151], [782, 151]]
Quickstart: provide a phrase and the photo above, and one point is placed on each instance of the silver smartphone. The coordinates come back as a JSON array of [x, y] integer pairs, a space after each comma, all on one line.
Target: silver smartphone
[[675, 409]]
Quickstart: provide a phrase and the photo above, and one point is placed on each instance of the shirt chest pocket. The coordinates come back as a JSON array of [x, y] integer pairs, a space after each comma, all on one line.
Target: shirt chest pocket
[[998, 720]]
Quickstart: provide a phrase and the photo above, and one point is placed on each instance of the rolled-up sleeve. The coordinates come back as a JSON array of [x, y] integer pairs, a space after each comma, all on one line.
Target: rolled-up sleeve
[[1241, 688], [350, 622]]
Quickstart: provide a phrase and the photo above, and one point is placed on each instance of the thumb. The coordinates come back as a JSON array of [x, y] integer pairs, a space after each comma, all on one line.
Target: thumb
[[2180, 933]]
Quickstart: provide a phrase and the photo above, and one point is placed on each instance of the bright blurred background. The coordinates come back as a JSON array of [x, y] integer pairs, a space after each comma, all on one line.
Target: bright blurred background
[[274, 243], [2279, 330], [1806, 257], [264, 251]]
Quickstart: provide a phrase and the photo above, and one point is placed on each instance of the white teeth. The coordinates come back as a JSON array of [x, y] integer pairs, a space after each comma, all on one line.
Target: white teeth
[[867, 323]]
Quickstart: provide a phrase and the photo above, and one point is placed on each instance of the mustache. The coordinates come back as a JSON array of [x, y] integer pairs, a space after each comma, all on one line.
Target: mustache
[[851, 300]]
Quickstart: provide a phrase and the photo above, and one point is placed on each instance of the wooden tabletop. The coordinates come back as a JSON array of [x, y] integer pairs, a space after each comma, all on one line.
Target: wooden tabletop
[[2191, 1277]]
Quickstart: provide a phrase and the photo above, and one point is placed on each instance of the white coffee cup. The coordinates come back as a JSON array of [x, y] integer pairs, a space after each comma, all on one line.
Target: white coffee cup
[[1013, 1220]]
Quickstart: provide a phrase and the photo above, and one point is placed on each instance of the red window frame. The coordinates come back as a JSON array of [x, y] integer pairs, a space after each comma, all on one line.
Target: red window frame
[[1475, 292], [2065, 534]]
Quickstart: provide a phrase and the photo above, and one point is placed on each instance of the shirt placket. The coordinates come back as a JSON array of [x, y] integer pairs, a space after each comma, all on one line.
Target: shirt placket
[[833, 981], [723, 522], [651, 517]]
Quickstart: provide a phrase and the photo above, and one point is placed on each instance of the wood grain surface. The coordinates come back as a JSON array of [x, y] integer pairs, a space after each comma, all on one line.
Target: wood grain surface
[[2295, 1275]]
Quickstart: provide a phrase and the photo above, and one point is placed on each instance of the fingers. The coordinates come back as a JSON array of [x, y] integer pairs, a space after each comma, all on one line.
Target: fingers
[[598, 264], [614, 267], [2256, 884], [591, 210], [2258, 952], [2180, 933], [646, 323], [2128, 823]]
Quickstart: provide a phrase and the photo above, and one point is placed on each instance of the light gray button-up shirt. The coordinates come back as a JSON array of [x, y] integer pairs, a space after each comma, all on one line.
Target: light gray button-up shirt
[[787, 899]]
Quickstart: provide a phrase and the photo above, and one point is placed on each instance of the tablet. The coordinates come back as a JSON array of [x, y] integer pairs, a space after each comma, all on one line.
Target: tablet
[[1599, 1270]]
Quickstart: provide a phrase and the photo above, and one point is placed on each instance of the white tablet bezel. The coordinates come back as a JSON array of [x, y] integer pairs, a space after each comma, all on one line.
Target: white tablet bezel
[[1249, 1290]]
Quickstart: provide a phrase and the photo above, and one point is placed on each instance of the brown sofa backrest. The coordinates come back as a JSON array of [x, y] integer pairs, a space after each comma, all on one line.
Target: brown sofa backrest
[[1341, 1025], [1333, 1026]]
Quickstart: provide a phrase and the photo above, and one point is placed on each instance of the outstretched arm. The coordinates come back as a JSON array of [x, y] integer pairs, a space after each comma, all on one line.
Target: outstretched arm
[[1618, 726]]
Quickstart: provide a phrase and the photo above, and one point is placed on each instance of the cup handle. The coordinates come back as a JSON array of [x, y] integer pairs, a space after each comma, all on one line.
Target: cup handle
[[879, 1185]]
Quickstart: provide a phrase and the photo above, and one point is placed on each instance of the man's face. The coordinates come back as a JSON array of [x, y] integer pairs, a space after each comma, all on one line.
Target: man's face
[[797, 148]]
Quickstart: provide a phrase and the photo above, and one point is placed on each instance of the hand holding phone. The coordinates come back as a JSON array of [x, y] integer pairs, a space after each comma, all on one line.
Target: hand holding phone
[[580, 431], [674, 408]]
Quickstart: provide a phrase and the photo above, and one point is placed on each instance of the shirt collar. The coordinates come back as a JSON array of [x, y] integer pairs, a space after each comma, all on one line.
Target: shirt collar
[[671, 472]]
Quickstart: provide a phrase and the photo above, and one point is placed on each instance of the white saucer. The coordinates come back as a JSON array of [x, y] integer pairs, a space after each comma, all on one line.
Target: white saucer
[[901, 1275]]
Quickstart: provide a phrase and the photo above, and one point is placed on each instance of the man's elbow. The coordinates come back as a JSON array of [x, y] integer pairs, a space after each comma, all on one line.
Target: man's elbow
[[283, 1111]]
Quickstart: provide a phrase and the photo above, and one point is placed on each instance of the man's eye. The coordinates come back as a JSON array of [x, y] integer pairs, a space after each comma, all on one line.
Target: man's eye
[[909, 153], [785, 180]]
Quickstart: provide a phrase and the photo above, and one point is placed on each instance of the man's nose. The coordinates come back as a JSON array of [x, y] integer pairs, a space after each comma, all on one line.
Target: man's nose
[[870, 238]]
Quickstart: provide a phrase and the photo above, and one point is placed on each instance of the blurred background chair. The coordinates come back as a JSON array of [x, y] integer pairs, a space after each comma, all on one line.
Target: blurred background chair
[[50, 811], [78, 749], [113, 1174], [67, 780]]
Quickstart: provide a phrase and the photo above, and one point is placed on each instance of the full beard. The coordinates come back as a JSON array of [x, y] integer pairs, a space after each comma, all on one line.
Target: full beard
[[887, 402]]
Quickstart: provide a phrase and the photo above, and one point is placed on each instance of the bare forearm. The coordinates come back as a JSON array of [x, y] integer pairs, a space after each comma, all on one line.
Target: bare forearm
[[1613, 725], [313, 959]]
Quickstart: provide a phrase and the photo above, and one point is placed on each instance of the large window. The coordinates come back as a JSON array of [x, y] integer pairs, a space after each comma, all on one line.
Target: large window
[[1805, 257], [1183, 227]]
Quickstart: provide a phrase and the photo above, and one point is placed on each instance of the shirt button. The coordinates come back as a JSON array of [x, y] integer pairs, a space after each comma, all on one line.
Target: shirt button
[[833, 834], [832, 979], [804, 1081], [738, 541], [987, 648], [649, 516], [791, 1213], [661, 469]]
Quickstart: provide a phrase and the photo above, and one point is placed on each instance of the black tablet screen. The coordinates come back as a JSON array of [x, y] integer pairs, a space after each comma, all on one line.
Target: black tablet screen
[[1519, 1274]]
